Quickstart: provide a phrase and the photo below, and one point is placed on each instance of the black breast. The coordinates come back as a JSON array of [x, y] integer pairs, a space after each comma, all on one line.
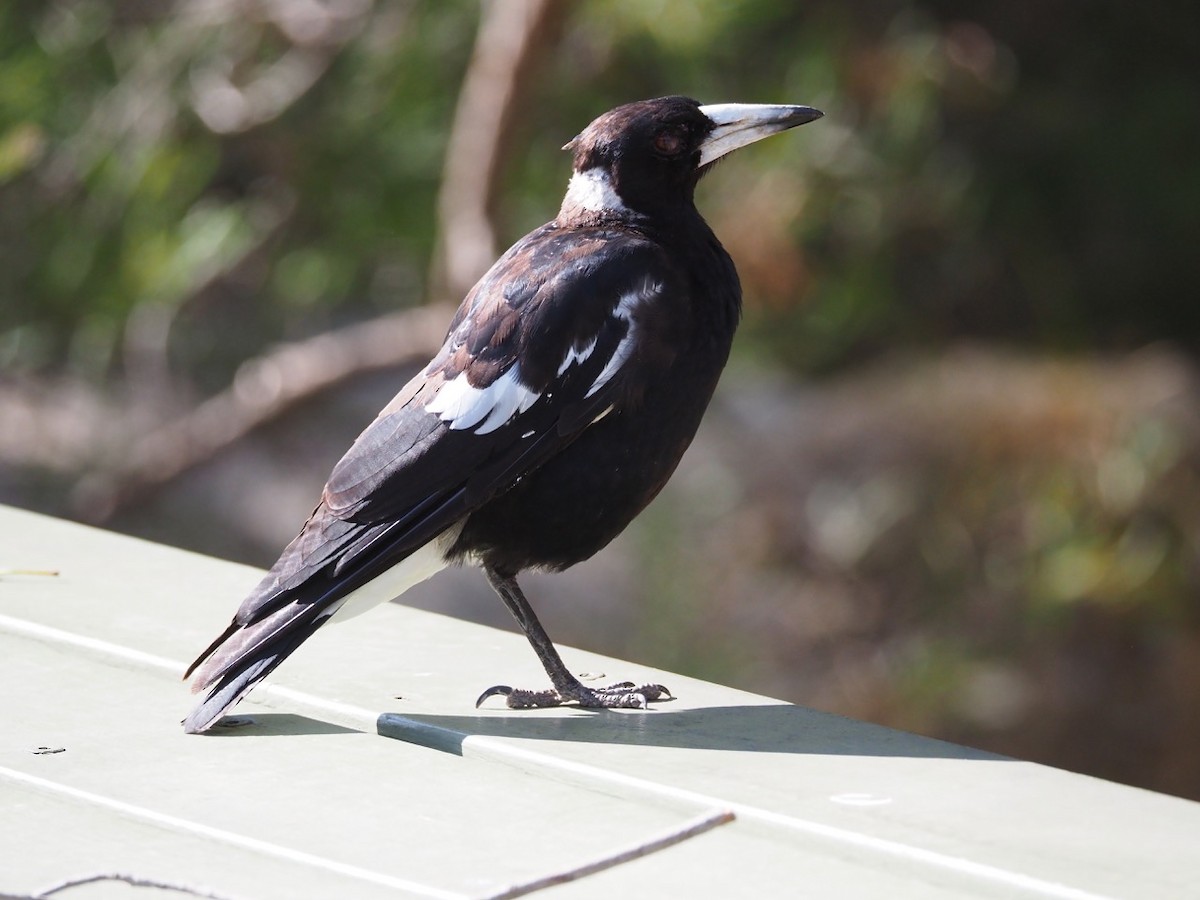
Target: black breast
[[583, 497]]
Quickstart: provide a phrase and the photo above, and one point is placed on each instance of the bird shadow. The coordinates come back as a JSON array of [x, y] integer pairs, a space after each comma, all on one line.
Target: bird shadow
[[751, 729], [273, 725]]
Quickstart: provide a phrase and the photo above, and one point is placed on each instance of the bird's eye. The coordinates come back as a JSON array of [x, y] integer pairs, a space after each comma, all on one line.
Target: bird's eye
[[669, 143]]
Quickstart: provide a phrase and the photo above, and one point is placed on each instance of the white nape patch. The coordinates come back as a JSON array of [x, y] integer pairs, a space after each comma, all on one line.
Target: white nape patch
[[576, 356], [463, 405], [411, 570], [625, 308], [592, 190]]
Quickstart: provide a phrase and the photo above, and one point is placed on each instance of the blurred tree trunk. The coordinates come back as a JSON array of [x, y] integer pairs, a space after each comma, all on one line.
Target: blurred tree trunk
[[514, 38]]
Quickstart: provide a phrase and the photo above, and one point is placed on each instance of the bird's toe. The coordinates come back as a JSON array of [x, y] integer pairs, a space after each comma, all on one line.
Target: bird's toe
[[627, 695], [623, 695]]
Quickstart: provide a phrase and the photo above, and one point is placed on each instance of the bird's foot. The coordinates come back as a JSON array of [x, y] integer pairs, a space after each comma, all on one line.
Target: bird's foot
[[625, 695]]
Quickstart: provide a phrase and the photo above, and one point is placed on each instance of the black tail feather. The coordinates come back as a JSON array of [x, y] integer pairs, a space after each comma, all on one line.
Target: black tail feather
[[211, 648], [243, 656]]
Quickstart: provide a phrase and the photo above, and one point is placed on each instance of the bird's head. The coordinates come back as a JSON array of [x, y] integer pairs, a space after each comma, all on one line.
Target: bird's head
[[645, 158]]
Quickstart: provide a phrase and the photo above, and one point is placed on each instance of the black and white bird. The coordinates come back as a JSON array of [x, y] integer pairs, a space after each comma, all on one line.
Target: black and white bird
[[571, 381]]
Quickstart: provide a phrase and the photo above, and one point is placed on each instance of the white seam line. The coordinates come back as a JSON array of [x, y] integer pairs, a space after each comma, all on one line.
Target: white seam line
[[230, 837], [95, 645], [489, 747]]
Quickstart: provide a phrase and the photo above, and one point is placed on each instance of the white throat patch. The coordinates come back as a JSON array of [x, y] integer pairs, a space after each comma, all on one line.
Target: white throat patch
[[593, 190]]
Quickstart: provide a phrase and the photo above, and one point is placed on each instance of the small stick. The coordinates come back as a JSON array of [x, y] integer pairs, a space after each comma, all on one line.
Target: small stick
[[132, 880], [698, 826]]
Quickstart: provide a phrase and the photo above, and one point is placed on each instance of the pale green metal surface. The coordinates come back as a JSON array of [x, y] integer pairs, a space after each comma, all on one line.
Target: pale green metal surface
[[310, 801]]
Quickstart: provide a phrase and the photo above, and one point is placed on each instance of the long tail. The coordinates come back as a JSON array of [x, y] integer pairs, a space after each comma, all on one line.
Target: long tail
[[334, 568], [272, 623], [243, 656]]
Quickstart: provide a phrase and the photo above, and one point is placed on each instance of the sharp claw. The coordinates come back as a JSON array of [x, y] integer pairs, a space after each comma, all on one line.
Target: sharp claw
[[502, 690]]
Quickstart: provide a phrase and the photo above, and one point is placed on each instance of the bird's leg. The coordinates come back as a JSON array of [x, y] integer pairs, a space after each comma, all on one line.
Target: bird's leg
[[567, 687]]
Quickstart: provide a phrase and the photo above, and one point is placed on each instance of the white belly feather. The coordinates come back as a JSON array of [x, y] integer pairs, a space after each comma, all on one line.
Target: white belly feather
[[427, 561]]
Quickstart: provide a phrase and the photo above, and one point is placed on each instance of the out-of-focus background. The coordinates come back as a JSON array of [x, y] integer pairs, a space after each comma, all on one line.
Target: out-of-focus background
[[951, 481]]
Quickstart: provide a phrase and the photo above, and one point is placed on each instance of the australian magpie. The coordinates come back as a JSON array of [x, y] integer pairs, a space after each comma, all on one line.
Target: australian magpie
[[571, 381]]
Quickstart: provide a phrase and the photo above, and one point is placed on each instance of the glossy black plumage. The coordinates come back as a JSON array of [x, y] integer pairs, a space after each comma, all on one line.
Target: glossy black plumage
[[571, 381]]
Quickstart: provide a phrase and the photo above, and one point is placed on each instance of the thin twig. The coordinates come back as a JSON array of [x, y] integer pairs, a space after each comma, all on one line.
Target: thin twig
[[133, 880], [263, 389], [696, 827], [318, 33]]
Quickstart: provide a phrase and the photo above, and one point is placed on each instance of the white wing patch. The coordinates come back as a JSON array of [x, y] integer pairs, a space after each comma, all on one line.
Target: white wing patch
[[576, 356], [463, 405], [624, 311]]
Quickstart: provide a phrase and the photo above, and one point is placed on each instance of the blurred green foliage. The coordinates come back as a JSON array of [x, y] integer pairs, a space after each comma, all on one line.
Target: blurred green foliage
[[990, 170], [118, 196]]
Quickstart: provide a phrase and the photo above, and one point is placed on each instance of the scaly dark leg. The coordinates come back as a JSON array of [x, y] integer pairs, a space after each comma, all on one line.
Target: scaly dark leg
[[567, 687]]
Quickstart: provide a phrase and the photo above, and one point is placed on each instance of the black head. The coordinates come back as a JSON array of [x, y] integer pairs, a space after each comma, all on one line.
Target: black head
[[647, 157]]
